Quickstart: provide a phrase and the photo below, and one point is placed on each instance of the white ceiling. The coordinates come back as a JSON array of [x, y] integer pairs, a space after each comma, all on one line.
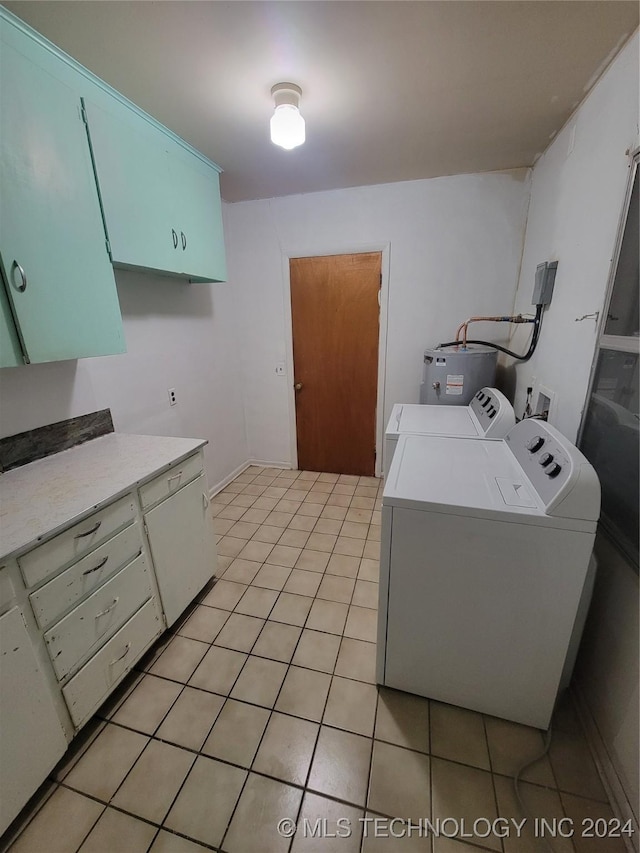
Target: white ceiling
[[392, 91]]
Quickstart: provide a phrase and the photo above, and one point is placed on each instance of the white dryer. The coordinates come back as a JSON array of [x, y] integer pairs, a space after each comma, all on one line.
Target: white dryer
[[488, 415], [484, 561]]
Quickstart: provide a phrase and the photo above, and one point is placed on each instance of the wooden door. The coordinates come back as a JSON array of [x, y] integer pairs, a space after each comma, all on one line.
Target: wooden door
[[335, 318]]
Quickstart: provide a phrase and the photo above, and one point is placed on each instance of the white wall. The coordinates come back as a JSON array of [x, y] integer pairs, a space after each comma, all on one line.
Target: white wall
[[178, 336], [454, 249], [576, 203]]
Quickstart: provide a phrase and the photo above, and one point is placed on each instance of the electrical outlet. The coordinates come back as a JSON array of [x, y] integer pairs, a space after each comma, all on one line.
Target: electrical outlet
[[172, 396], [280, 371], [545, 403]]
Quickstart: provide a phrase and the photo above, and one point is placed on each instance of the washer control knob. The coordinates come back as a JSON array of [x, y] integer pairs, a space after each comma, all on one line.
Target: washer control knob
[[546, 459], [553, 470], [535, 444]]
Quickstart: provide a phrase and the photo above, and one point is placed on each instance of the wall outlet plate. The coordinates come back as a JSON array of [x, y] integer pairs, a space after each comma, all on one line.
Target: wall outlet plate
[[172, 396], [545, 403]]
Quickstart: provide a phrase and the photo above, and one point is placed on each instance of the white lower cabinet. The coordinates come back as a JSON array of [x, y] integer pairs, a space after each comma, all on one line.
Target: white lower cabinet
[[32, 739], [90, 687], [83, 606], [183, 549], [87, 627]]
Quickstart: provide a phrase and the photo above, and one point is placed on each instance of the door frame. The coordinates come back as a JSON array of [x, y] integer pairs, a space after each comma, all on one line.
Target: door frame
[[310, 251]]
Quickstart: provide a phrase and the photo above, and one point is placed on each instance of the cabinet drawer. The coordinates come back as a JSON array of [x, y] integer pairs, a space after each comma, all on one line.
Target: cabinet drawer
[[87, 626], [76, 541], [58, 595], [90, 687], [172, 480]]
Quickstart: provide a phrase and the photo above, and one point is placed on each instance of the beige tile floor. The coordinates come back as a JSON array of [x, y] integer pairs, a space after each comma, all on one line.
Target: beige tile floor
[[261, 704]]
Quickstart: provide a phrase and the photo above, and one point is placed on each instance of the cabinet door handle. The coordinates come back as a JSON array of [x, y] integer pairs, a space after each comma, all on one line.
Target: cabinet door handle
[[89, 532], [99, 566], [23, 279], [107, 609], [126, 651], [205, 500], [175, 238], [184, 240]]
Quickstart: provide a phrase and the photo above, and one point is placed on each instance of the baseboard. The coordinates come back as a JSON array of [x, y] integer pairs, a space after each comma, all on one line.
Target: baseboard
[[613, 785], [226, 480], [263, 464], [243, 467]]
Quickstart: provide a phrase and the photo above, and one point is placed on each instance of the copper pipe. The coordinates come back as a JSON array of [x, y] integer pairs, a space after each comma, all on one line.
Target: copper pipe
[[518, 318]]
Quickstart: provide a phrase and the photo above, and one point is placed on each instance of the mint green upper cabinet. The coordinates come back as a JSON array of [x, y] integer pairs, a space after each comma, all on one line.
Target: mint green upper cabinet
[[10, 351], [198, 211], [59, 280], [160, 203], [132, 171]]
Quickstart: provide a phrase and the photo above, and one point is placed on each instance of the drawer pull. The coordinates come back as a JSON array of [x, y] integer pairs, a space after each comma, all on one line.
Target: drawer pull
[[89, 532], [107, 609], [126, 651], [96, 568], [174, 477]]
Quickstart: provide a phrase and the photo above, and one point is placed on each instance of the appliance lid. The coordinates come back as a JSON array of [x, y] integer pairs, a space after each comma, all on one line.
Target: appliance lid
[[467, 477], [431, 420]]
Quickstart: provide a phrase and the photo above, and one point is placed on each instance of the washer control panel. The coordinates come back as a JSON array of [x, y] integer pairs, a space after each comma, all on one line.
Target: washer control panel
[[556, 468], [493, 412]]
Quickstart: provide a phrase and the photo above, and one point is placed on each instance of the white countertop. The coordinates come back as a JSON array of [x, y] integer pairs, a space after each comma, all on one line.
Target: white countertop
[[39, 499]]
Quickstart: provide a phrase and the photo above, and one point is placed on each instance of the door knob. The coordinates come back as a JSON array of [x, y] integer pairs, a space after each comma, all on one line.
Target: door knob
[[298, 386]]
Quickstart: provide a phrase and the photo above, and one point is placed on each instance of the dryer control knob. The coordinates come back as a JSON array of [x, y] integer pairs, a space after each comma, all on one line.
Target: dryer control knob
[[546, 459], [553, 470], [535, 444]]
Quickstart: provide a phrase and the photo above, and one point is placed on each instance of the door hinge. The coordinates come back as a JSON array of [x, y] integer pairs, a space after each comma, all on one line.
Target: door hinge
[[83, 114], [144, 524], [108, 245]]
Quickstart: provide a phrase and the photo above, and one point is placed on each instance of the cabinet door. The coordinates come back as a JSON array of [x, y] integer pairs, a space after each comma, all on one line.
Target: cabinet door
[[183, 548], [132, 169], [161, 211], [10, 352], [52, 242], [199, 217], [31, 736]]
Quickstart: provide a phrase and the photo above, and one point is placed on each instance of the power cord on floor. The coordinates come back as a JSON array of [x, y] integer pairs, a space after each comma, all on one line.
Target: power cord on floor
[[516, 785]]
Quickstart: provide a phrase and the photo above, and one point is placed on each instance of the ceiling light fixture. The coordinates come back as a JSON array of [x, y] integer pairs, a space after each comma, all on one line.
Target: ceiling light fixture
[[287, 125]]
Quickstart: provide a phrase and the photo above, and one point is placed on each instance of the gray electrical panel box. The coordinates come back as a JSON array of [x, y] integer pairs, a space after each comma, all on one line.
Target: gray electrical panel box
[[545, 279]]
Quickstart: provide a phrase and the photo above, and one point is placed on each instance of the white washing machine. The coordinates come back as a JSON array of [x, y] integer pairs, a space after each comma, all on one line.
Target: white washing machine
[[488, 415], [484, 561]]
